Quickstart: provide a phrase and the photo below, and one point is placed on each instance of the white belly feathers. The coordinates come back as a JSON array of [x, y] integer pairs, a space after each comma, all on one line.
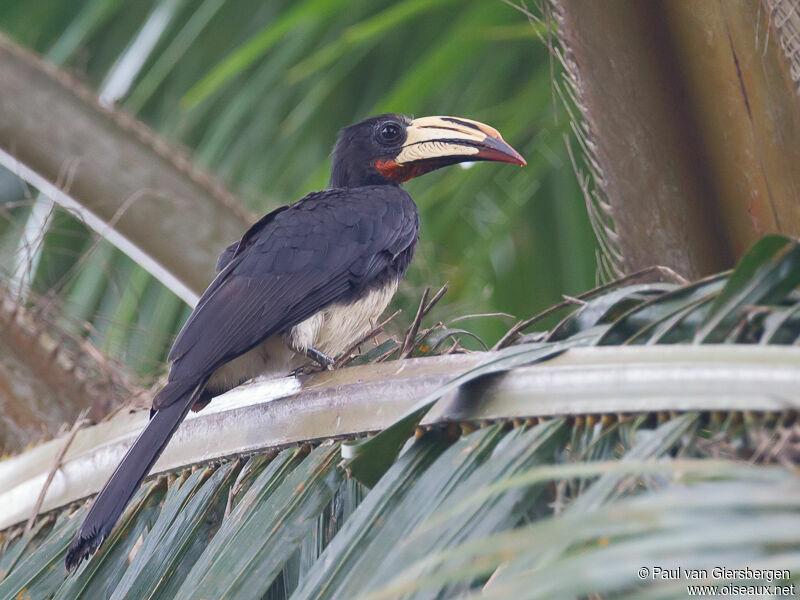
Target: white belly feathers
[[335, 328], [331, 331]]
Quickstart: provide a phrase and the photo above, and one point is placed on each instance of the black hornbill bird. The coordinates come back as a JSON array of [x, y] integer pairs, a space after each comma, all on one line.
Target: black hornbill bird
[[306, 280]]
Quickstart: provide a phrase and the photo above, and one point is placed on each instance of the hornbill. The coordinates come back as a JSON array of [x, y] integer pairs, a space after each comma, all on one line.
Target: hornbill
[[305, 281]]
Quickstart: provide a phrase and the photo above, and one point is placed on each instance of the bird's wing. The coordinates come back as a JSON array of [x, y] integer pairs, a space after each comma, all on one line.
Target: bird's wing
[[226, 256], [256, 228], [291, 265]]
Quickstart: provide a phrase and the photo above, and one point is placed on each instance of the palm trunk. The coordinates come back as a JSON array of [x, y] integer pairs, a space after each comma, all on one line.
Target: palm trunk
[[692, 120]]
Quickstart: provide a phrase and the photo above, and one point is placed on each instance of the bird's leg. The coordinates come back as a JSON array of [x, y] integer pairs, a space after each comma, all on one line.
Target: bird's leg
[[322, 359]]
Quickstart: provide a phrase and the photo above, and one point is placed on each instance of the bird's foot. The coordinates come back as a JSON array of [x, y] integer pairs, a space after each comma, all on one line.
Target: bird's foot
[[322, 362]]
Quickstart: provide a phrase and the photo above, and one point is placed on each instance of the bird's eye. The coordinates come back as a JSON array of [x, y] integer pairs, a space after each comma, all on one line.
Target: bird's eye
[[389, 133]]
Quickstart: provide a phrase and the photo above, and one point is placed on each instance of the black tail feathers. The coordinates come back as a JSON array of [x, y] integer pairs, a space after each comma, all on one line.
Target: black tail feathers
[[135, 466]]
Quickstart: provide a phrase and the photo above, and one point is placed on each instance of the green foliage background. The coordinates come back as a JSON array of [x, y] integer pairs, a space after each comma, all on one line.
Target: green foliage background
[[258, 90]]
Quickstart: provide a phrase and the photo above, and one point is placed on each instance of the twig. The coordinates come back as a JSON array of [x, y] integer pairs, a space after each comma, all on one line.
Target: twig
[[424, 308], [79, 423], [385, 355], [347, 356], [522, 325], [480, 315], [670, 275], [435, 299], [423, 335], [453, 348], [411, 334], [573, 299]]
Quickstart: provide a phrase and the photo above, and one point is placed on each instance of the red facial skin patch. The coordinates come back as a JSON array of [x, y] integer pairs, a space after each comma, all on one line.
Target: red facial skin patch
[[391, 170], [401, 173]]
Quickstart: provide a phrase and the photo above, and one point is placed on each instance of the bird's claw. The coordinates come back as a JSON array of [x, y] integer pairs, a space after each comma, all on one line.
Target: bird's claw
[[310, 369], [322, 362]]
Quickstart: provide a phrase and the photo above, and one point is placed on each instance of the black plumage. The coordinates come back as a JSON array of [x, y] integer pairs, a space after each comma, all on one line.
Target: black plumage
[[329, 247], [330, 260]]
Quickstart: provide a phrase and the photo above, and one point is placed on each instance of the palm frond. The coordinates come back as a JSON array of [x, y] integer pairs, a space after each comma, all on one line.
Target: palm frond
[[536, 462]]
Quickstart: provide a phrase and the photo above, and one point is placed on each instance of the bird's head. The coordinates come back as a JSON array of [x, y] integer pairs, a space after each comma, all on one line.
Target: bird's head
[[391, 149]]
